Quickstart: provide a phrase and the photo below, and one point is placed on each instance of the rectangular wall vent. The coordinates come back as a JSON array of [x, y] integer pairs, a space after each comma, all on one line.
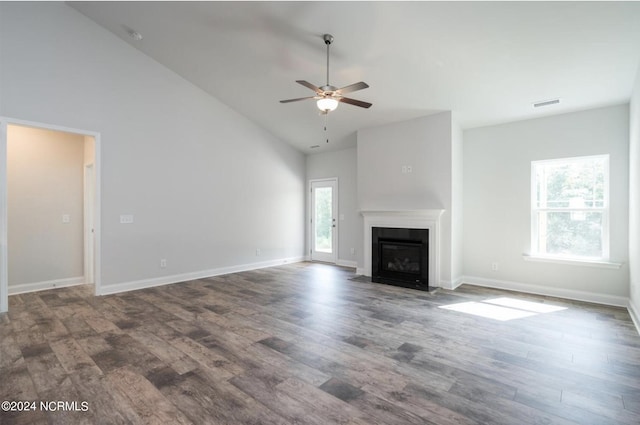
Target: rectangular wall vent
[[546, 103]]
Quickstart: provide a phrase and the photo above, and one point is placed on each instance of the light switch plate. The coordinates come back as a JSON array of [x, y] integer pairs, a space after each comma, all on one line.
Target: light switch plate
[[126, 218]]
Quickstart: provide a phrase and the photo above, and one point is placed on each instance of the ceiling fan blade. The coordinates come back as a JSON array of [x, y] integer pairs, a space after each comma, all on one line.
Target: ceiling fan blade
[[353, 87], [355, 102], [309, 85], [296, 99]]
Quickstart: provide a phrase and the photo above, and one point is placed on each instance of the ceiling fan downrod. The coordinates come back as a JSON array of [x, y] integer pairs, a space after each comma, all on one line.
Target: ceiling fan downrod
[[328, 39]]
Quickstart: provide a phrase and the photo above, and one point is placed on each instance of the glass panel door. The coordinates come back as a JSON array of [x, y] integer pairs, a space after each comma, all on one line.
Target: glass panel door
[[323, 221]]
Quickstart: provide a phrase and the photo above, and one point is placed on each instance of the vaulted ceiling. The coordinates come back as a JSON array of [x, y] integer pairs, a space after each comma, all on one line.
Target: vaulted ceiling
[[485, 61]]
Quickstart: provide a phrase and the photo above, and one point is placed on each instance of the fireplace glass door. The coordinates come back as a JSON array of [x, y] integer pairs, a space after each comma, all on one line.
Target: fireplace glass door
[[400, 257]]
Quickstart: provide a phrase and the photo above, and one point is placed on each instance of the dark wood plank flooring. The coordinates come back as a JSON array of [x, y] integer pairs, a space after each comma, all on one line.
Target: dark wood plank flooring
[[313, 344]]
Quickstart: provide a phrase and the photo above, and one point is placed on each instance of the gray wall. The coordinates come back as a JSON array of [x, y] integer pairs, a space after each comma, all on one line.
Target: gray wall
[[343, 165], [44, 181], [206, 186], [497, 185], [634, 199]]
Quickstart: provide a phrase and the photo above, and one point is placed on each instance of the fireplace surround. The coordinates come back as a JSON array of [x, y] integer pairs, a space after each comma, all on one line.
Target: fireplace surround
[[408, 219]]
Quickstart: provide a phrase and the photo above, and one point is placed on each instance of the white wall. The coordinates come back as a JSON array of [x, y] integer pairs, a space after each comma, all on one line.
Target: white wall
[[634, 201], [426, 145], [343, 165], [457, 202], [45, 182], [497, 173], [205, 185]]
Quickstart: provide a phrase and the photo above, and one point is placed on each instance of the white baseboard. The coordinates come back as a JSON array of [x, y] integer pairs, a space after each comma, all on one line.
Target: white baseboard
[[570, 294], [360, 271], [445, 284], [634, 312], [459, 281], [23, 288], [451, 284], [167, 280], [347, 263]]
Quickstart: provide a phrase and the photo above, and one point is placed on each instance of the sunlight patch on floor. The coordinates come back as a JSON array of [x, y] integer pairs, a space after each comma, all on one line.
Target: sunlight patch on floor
[[503, 308], [525, 305]]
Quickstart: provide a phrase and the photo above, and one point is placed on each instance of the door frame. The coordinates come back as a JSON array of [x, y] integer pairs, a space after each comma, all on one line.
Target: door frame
[[4, 275], [89, 222], [336, 210]]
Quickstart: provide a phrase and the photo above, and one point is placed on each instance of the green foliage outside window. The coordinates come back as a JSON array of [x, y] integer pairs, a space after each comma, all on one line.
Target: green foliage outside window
[[323, 218], [570, 207]]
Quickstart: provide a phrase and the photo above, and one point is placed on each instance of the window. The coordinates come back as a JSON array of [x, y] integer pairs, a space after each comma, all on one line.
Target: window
[[570, 208]]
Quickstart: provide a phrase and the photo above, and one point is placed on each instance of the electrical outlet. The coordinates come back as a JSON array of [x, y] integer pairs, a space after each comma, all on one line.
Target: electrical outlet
[[494, 266], [404, 169], [163, 263], [257, 252], [66, 219], [409, 168], [353, 251]]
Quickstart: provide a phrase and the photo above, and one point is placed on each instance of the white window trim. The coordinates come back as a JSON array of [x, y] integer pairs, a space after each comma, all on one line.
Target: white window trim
[[603, 261], [572, 261]]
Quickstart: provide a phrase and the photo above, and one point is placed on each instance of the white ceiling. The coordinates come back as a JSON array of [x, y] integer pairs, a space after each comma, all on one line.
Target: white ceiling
[[486, 61]]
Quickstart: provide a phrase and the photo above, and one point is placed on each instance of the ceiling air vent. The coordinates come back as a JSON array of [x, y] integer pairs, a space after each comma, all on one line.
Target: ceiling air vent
[[546, 103], [314, 146]]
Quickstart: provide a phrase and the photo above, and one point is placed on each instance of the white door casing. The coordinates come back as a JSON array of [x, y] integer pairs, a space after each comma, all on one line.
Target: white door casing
[[323, 223], [89, 225], [4, 275]]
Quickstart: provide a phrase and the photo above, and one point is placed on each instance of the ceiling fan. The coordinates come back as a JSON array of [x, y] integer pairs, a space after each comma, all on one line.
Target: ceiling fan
[[328, 96]]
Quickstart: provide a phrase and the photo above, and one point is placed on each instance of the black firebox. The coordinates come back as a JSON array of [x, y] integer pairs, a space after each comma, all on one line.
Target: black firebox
[[400, 257]]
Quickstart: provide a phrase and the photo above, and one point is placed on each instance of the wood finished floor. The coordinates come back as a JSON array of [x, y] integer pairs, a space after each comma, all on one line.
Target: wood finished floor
[[306, 344]]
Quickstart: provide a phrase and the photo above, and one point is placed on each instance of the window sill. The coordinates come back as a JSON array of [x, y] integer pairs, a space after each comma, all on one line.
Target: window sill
[[572, 261]]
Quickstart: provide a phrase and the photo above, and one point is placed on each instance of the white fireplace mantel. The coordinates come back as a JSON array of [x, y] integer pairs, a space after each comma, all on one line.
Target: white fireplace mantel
[[406, 219]]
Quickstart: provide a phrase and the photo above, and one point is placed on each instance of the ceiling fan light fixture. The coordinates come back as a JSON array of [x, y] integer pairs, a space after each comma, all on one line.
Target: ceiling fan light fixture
[[327, 104], [327, 96]]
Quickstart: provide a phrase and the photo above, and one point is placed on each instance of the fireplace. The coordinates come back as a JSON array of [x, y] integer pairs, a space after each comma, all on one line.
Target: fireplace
[[400, 256], [423, 219]]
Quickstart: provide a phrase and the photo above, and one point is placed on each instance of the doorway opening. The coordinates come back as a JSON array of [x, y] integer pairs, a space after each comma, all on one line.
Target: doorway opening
[[49, 207], [323, 230]]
